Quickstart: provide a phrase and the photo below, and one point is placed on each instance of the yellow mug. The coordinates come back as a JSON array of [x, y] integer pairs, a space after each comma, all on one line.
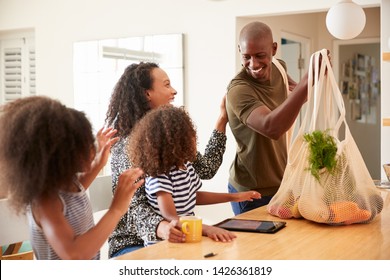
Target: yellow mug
[[191, 226]]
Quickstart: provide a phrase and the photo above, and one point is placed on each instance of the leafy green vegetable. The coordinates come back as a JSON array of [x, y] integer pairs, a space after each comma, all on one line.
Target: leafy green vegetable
[[323, 151]]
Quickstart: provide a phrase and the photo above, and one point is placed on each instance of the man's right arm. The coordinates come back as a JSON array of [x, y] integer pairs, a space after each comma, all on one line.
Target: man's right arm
[[273, 124]]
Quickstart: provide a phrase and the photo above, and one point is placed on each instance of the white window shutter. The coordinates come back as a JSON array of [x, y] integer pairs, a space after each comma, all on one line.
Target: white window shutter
[[17, 71], [12, 79], [31, 72]]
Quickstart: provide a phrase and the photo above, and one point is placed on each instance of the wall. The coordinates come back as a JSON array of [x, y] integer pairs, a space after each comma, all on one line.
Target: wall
[[210, 45], [385, 82], [366, 133]]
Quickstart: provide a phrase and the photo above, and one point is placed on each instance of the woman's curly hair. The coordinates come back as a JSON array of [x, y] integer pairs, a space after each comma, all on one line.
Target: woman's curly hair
[[128, 103], [43, 145], [163, 139]]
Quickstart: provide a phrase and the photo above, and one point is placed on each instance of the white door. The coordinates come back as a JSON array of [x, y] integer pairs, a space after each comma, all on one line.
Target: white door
[[295, 51]]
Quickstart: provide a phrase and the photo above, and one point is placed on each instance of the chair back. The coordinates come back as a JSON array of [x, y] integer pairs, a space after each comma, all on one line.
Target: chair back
[[100, 193], [14, 230]]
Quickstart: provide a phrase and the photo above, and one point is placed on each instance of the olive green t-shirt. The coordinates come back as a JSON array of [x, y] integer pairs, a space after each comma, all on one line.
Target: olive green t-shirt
[[259, 162]]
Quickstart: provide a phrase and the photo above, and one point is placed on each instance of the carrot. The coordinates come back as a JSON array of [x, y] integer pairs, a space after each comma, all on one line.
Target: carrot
[[347, 212]]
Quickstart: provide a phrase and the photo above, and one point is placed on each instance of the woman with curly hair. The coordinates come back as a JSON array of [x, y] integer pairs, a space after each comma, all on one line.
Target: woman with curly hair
[[47, 161], [172, 185], [142, 87]]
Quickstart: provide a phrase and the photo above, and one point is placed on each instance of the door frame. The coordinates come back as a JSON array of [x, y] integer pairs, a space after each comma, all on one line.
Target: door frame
[[305, 54], [305, 44]]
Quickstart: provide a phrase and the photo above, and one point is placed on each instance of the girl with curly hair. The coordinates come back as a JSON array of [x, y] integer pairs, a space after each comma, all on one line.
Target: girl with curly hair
[[172, 186], [48, 159], [142, 87]]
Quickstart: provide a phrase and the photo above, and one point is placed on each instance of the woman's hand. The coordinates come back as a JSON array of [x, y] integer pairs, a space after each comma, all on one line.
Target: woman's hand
[[223, 117], [218, 234]]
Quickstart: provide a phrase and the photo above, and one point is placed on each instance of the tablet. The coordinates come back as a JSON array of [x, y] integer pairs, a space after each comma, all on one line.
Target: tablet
[[251, 225]]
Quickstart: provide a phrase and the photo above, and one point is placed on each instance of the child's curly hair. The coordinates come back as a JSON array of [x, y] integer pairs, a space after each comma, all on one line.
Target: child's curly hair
[[43, 145], [163, 139]]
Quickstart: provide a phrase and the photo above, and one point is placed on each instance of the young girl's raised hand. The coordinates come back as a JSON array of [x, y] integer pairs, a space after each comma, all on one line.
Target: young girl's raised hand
[[105, 140]]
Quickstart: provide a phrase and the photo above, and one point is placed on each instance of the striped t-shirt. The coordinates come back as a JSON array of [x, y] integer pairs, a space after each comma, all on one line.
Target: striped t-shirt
[[77, 211], [181, 183]]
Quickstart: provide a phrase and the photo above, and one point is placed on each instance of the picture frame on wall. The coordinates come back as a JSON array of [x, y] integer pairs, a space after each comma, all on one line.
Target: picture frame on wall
[[353, 92], [344, 87], [347, 70], [356, 110], [361, 62], [365, 104], [361, 65]]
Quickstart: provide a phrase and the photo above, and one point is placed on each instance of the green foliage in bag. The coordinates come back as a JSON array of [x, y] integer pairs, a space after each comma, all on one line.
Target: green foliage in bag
[[323, 149]]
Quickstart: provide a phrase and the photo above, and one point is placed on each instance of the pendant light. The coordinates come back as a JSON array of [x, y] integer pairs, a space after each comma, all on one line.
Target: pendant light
[[345, 20]]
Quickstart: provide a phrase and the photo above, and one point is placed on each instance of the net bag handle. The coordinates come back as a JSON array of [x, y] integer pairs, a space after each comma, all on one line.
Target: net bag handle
[[323, 92]]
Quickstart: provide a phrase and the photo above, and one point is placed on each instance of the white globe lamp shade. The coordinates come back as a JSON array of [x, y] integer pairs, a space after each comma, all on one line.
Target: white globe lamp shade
[[345, 20]]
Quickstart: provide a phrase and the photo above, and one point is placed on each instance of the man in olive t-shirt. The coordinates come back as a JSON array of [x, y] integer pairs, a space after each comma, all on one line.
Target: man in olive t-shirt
[[260, 113]]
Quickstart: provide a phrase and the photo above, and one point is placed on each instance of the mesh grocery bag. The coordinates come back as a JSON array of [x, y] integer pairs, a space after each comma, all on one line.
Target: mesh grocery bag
[[326, 179]]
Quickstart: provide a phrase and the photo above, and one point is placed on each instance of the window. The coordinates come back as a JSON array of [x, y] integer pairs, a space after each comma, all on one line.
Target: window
[[99, 64], [17, 71]]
